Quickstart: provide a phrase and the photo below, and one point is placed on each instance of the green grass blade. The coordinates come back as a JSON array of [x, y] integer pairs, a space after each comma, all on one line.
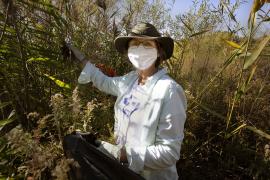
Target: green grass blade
[[37, 59], [253, 57]]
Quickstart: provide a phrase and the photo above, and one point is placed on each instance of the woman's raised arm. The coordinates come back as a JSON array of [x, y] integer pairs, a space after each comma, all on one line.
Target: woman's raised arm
[[78, 55]]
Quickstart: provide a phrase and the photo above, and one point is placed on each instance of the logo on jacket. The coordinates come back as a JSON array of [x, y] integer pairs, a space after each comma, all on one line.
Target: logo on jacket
[[131, 104]]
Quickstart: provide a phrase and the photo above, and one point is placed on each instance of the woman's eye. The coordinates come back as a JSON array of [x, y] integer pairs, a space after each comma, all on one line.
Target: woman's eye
[[147, 44], [134, 43]]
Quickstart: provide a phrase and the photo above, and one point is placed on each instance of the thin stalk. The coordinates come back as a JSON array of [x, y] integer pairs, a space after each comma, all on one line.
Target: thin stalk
[[231, 108]]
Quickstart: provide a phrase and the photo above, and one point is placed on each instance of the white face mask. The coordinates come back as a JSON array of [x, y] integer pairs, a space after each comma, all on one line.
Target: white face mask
[[141, 57]]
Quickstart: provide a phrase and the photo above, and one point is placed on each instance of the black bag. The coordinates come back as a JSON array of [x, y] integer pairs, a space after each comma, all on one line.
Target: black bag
[[94, 164]]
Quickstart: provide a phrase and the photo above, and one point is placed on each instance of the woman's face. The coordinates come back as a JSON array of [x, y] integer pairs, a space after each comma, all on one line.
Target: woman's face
[[147, 43], [143, 53]]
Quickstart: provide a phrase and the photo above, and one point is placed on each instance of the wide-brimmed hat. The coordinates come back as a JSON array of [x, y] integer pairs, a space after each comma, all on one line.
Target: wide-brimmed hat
[[146, 31]]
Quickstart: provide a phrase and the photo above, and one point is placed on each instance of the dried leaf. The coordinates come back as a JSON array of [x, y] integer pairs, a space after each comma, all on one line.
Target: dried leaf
[[259, 132], [266, 19], [257, 4], [236, 130]]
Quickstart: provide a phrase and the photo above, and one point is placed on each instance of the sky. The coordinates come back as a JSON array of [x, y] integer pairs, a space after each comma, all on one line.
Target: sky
[[242, 14]]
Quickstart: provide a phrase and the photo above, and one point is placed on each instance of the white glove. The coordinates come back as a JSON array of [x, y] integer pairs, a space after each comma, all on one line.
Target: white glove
[[110, 149], [77, 53]]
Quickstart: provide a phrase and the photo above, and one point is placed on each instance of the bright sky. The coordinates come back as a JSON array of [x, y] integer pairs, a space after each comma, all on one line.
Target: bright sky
[[242, 14]]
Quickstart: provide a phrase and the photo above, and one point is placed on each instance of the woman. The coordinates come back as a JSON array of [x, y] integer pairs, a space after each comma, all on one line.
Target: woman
[[150, 106]]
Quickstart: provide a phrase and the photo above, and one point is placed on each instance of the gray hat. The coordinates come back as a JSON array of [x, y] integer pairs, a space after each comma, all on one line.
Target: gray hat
[[148, 31]]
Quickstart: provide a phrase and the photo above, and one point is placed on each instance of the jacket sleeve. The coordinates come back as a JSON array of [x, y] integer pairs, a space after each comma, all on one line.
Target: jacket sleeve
[[170, 133], [104, 83]]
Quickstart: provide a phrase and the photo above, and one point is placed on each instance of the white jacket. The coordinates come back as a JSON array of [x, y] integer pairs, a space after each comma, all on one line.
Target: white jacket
[[154, 133]]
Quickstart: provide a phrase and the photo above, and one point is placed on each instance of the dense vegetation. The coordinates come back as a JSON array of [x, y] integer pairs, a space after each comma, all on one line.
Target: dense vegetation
[[223, 67]]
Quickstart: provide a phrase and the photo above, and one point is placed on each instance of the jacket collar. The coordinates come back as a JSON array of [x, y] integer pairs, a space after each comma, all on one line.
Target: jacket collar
[[151, 81]]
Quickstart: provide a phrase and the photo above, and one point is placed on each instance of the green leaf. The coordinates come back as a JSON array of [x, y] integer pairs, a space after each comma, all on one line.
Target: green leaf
[[3, 122], [58, 82], [234, 55], [8, 120], [4, 104], [41, 60], [37, 59], [253, 57]]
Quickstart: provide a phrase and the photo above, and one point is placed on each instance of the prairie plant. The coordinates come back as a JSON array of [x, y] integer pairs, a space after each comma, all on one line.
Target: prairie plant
[[41, 150]]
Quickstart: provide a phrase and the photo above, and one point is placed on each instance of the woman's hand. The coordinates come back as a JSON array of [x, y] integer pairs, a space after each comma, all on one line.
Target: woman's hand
[[123, 155], [68, 49]]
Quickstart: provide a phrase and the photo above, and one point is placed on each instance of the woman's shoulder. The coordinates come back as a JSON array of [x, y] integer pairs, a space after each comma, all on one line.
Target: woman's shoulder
[[173, 91], [125, 80], [165, 87], [169, 83], [127, 76]]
